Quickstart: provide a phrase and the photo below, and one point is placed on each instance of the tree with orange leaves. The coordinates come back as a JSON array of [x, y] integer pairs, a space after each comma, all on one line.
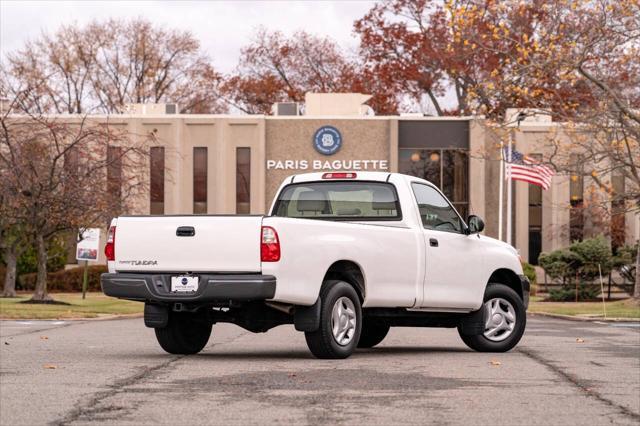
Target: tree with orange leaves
[[577, 61], [276, 68], [430, 50]]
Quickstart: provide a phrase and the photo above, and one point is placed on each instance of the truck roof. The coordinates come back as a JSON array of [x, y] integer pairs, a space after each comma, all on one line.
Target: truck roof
[[359, 175]]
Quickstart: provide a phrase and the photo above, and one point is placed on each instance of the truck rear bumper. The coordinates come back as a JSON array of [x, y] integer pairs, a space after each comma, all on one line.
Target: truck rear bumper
[[212, 287]]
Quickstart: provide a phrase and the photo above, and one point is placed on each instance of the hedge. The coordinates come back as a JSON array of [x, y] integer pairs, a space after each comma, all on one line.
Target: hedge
[[530, 272], [565, 294], [69, 280]]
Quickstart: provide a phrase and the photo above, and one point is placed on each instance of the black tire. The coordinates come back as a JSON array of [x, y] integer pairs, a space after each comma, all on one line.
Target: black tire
[[373, 332], [186, 334], [321, 342], [481, 343]]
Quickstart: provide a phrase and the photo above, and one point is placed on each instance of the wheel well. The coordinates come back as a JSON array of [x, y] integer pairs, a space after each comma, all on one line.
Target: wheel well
[[508, 278], [349, 272]]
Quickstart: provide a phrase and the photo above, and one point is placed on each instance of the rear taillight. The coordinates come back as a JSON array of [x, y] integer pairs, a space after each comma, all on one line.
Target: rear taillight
[[269, 245], [339, 175], [110, 248]]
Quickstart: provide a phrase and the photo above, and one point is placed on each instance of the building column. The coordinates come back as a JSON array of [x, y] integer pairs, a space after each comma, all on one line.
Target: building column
[[555, 214], [393, 145], [477, 152]]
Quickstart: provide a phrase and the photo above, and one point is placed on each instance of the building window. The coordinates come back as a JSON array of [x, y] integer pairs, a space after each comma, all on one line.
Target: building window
[[71, 162], [576, 199], [200, 180], [243, 180], [617, 210], [114, 174], [535, 219], [448, 169], [157, 180]]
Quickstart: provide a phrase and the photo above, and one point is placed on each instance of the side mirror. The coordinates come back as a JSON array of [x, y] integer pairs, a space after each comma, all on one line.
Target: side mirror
[[476, 224]]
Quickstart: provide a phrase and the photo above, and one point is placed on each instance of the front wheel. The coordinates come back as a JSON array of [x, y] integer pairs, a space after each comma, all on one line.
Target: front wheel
[[340, 322], [186, 333], [505, 321]]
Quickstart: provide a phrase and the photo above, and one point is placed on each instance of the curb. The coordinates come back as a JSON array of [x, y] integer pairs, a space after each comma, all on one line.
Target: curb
[[582, 319], [99, 318], [106, 317]]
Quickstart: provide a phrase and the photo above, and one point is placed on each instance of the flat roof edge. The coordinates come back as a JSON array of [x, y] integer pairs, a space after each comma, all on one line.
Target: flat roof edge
[[247, 117]]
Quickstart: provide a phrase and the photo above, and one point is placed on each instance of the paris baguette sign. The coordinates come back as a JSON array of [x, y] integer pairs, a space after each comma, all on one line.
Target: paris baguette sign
[[327, 140]]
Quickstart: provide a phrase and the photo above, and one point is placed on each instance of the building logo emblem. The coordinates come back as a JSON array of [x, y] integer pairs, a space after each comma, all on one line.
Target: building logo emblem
[[327, 140]]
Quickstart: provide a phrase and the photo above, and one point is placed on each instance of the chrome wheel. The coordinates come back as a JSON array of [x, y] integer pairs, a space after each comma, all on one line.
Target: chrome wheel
[[501, 319], [343, 321]]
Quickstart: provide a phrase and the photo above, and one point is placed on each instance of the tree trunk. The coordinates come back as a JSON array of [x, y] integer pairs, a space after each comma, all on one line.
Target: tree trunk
[[636, 288], [40, 293], [11, 259]]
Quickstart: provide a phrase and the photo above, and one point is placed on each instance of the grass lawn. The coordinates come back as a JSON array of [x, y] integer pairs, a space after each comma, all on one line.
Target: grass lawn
[[616, 309], [95, 305]]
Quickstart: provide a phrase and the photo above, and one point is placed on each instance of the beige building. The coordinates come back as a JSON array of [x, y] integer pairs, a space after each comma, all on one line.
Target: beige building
[[226, 164]]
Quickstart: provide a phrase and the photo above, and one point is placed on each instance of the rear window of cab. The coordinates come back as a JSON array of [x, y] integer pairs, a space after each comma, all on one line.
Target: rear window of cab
[[339, 200]]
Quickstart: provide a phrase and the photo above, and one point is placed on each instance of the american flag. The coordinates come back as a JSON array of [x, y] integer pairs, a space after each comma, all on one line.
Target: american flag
[[525, 168]]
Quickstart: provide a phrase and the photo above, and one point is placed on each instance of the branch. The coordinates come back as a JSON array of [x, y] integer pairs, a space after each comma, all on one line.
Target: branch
[[605, 88]]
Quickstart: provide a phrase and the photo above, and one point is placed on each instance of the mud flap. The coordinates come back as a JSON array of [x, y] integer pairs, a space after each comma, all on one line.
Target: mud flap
[[155, 316], [307, 318], [473, 323]]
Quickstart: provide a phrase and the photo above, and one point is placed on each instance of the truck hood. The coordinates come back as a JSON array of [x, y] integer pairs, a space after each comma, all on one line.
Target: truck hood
[[500, 244]]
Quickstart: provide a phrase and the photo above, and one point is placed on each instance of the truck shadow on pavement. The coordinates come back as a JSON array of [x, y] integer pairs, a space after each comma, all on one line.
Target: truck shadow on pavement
[[303, 354]]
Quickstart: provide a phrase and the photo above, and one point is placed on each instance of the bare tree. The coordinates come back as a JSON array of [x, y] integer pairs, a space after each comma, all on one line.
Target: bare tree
[[12, 239], [55, 177], [103, 66]]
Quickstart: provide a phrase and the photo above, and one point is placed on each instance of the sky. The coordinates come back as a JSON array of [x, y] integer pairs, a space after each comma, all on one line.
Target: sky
[[223, 27]]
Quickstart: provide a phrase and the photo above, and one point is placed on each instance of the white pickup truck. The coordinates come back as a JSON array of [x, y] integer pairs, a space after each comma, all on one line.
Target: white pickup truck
[[343, 256]]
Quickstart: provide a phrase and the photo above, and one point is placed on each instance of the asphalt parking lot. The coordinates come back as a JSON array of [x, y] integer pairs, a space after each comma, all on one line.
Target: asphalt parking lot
[[86, 372]]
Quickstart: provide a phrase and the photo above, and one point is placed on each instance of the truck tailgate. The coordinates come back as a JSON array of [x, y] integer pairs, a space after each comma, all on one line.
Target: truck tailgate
[[218, 244]]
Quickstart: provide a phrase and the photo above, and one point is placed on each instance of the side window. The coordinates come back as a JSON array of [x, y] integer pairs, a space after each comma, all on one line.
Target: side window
[[436, 213]]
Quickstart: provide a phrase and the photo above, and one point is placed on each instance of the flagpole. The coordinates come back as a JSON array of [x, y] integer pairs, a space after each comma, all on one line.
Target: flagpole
[[501, 190], [509, 190]]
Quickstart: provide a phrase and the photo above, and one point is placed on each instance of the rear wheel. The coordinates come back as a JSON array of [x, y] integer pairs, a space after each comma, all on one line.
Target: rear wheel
[[373, 332], [186, 333], [505, 321], [340, 322]]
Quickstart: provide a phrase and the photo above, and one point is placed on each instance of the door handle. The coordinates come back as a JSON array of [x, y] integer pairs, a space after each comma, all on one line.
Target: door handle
[[185, 231], [433, 242]]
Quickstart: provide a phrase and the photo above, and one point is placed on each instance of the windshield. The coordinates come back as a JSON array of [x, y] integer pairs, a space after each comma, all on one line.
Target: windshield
[[339, 201]]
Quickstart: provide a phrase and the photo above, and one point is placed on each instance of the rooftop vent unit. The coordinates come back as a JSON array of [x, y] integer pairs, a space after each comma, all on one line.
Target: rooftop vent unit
[[286, 108], [151, 109], [337, 104]]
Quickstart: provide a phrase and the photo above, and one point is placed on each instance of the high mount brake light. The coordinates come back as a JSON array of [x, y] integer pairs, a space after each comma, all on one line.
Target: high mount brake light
[[269, 245], [339, 175], [110, 248]]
